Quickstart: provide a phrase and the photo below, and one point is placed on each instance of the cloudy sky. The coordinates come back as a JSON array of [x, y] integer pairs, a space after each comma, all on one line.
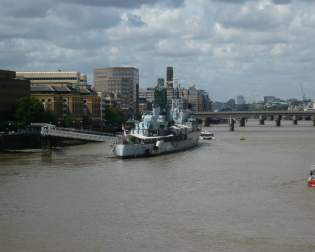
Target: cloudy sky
[[227, 47]]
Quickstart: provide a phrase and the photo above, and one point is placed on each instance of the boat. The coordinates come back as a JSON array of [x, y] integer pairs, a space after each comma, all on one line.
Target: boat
[[311, 181], [206, 135], [311, 178], [158, 134]]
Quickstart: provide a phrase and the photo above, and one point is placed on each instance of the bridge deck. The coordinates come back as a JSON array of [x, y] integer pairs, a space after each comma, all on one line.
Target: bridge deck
[[228, 114]]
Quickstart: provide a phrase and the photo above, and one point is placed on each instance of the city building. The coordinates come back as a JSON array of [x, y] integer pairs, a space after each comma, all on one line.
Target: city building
[[143, 105], [67, 102], [240, 100], [160, 82], [91, 104], [123, 82], [11, 90], [149, 94], [230, 104], [194, 100], [169, 77], [197, 99], [107, 100], [206, 103], [74, 79], [310, 106], [160, 98], [183, 94], [146, 99], [270, 99]]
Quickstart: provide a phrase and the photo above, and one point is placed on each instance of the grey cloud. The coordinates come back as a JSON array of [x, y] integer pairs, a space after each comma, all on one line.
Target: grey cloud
[[86, 17], [281, 1], [232, 1], [244, 57], [256, 22], [64, 25], [274, 1], [37, 9], [135, 20], [26, 8], [124, 4], [254, 18]]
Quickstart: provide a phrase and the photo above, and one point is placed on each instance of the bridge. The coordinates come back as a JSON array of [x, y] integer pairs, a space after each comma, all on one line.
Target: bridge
[[241, 116]]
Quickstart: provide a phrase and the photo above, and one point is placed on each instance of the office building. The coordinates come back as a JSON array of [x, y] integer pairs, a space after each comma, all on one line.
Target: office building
[[73, 79], [123, 82], [169, 77], [169, 73], [197, 100]]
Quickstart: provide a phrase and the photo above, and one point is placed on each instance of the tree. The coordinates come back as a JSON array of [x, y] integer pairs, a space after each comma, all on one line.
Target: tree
[[114, 115], [29, 110]]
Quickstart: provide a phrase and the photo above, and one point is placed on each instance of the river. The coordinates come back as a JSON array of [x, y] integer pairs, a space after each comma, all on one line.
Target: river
[[227, 194]]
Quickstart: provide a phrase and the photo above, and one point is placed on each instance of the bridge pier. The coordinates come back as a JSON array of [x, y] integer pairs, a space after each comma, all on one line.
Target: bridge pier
[[262, 120], [206, 122], [231, 124], [278, 121], [48, 142], [242, 121], [295, 119]]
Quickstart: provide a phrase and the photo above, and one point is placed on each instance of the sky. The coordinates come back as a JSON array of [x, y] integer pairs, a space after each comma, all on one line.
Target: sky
[[226, 47]]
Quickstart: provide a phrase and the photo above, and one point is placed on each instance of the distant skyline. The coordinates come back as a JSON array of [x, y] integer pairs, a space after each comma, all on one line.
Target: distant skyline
[[226, 47]]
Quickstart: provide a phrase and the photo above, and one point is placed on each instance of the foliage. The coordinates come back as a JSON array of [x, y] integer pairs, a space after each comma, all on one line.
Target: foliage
[[114, 115], [30, 110], [8, 126], [69, 121]]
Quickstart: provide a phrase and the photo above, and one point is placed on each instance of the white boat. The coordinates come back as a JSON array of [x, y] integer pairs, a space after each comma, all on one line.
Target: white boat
[[155, 135], [206, 135], [311, 178]]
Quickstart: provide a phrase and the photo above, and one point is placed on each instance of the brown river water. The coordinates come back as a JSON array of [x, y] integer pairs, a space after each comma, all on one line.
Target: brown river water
[[225, 195]]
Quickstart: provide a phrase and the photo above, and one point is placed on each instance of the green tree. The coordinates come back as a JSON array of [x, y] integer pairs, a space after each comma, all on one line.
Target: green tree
[[30, 110], [115, 115], [69, 121]]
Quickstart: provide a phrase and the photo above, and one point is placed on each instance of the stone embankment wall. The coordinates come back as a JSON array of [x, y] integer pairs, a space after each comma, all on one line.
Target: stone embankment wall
[[20, 141], [33, 141]]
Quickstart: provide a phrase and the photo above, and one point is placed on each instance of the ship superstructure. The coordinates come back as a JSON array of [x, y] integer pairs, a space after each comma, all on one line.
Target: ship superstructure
[[158, 133]]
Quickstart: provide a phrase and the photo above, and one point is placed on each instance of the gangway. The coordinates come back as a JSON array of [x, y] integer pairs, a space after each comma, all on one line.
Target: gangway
[[52, 130]]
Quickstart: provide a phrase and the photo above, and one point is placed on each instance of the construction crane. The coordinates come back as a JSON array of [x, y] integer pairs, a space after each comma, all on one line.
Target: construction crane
[[303, 94]]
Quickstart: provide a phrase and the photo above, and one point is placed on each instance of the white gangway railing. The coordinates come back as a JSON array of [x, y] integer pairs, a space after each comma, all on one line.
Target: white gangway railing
[[53, 131]]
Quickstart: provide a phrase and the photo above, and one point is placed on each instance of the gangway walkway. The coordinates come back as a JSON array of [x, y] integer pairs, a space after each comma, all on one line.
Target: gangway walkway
[[50, 130]]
